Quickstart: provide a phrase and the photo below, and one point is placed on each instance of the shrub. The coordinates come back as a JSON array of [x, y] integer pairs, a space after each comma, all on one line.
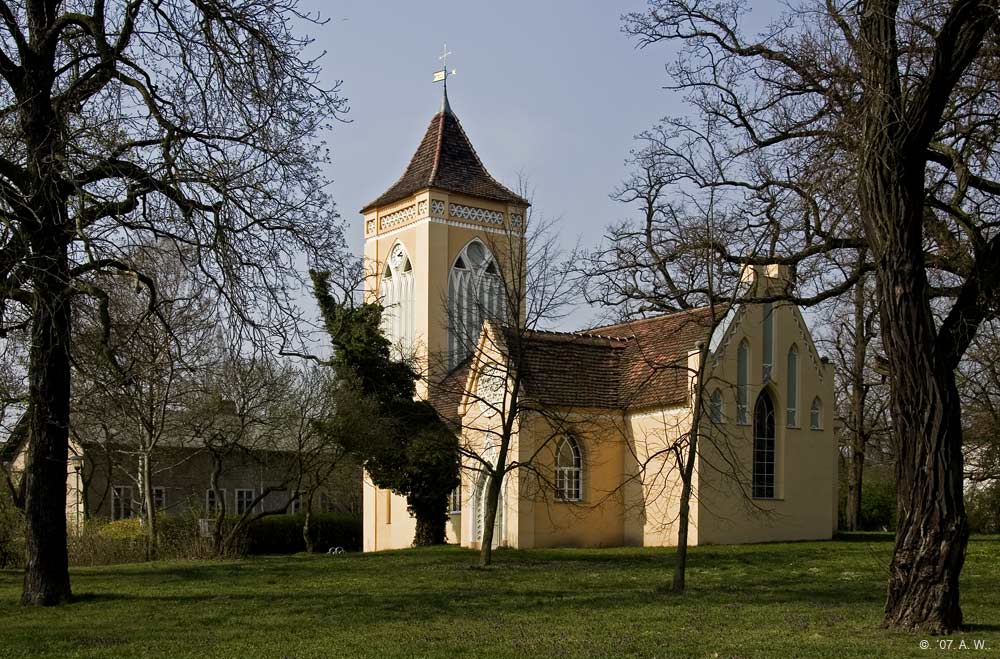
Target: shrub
[[282, 534], [982, 503], [878, 504], [11, 531]]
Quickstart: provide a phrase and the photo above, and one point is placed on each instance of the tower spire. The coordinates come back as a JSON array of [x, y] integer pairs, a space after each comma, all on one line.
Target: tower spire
[[442, 76]]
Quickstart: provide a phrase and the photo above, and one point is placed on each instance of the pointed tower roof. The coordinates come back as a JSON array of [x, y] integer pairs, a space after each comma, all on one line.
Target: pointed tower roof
[[446, 160]]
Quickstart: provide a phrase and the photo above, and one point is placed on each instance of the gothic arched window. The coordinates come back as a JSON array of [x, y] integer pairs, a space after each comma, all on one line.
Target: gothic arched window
[[475, 293], [763, 447], [792, 388], [398, 299], [569, 470], [715, 406], [816, 414], [742, 382]]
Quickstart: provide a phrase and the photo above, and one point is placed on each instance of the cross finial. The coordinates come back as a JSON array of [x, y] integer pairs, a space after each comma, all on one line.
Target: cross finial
[[442, 76]]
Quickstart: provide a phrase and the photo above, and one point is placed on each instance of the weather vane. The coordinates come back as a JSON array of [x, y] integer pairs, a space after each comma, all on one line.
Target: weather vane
[[442, 75]]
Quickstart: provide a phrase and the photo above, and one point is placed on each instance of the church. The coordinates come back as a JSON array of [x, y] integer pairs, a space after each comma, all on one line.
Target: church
[[611, 407]]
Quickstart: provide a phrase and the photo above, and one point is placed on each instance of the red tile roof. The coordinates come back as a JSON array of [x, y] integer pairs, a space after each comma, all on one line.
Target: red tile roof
[[446, 160], [634, 365]]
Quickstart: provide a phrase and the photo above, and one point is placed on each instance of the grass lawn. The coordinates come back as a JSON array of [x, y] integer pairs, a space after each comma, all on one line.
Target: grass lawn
[[821, 599]]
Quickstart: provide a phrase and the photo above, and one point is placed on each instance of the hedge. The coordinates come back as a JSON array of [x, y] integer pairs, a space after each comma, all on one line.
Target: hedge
[[282, 534]]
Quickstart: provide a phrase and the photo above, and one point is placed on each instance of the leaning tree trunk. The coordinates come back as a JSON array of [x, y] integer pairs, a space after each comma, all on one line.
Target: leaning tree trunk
[[932, 530], [46, 575], [490, 518]]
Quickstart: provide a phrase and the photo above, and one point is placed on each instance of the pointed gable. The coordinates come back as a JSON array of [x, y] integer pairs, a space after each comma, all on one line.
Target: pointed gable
[[446, 160]]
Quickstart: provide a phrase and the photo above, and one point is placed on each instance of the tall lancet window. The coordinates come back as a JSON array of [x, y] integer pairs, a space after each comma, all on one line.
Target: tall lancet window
[[792, 388], [398, 300], [475, 293]]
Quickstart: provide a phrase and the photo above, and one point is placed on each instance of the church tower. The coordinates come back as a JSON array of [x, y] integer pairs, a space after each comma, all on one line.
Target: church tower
[[431, 243], [435, 247]]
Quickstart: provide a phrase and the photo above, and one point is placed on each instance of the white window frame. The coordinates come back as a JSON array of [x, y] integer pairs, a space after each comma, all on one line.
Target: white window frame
[[397, 290], [455, 500], [162, 492], [792, 387], [715, 406], [247, 504], [211, 505], [475, 293], [569, 479], [816, 414], [743, 383], [119, 510]]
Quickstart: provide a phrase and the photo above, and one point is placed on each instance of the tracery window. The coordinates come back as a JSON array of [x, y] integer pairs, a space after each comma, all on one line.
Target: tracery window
[[475, 293], [398, 300], [715, 406]]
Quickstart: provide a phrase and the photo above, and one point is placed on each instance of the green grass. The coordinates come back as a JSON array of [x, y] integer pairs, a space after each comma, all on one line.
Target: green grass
[[775, 600]]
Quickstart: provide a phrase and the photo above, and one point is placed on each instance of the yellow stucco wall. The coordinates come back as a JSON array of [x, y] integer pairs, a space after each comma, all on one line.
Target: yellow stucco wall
[[804, 506]]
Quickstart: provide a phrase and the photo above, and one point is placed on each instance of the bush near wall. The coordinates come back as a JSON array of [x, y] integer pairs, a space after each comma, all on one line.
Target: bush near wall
[[11, 532], [982, 504], [282, 534]]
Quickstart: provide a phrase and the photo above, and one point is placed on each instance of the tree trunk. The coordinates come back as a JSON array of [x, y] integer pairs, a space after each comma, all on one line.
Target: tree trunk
[[687, 470], [855, 474], [490, 518], [307, 533], [46, 575], [431, 529], [932, 529], [859, 438], [149, 505]]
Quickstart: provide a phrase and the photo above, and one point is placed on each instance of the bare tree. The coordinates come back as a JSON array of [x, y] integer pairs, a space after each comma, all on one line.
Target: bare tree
[[663, 263], [862, 390], [519, 286], [192, 123], [136, 360], [896, 103]]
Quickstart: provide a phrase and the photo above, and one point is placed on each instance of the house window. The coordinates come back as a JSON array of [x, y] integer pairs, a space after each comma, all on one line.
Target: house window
[[767, 349], [763, 447], [475, 293], [792, 384], [742, 384], [296, 505], [569, 470], [715, 406], [455, 501], [214, 506], [398, 300], [327, 503], [121, 502], [244, 501], [816, 415], [159, 498]]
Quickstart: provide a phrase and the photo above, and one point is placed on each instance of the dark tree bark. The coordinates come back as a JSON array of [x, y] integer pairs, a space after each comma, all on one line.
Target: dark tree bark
[[859, 390], [493, 486], [46, 575]]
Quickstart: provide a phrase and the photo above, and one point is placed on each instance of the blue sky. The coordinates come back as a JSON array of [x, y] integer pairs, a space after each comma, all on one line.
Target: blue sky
[[552, 90]]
